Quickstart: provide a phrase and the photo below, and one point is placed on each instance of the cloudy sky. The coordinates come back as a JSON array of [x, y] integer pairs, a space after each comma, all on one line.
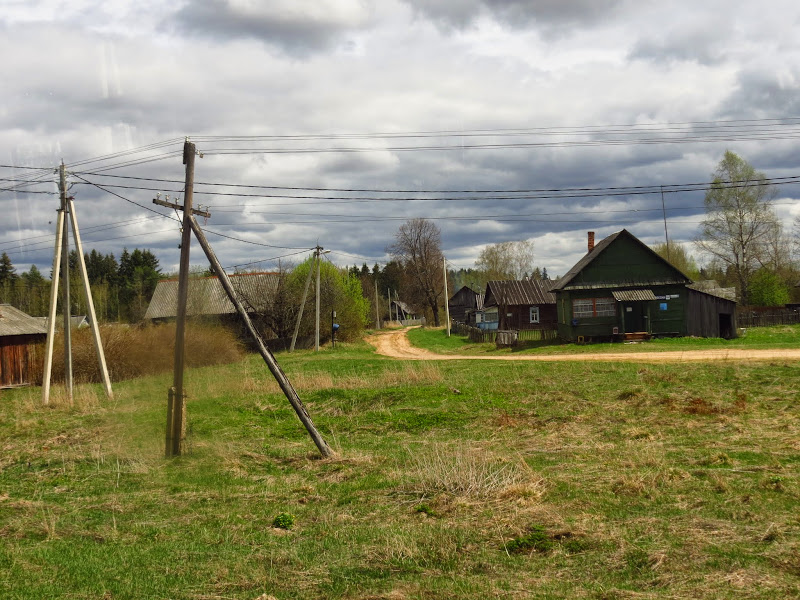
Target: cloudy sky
[[334, 121]]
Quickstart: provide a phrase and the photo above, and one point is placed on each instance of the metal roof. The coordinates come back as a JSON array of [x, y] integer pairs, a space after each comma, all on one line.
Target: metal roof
[[15, 322], [527, 292], [207, 296], [633, 295]]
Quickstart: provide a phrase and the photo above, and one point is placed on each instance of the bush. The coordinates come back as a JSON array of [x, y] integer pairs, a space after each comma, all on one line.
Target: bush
[[138, 351]]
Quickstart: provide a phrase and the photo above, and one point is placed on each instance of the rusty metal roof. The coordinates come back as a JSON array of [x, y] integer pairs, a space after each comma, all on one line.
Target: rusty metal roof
[[15, 322], [207, 296], [633, 295], [528, 292]]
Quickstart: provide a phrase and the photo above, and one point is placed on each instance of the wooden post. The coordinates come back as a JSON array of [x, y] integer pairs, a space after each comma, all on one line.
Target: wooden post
[[446, 298], [51, 319], [87, 290], [65, 302], [302, 303], [179, 397], [273, 365]]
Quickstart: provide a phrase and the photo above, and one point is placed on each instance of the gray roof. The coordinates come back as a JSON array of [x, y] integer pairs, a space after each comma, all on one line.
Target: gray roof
[[528, 292], [15, 322], [633, 295], [712, 288], [207, 296]]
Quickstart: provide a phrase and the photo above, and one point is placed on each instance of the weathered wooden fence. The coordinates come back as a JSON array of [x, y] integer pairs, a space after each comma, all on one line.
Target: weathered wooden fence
[[764, 317], [490, 335]]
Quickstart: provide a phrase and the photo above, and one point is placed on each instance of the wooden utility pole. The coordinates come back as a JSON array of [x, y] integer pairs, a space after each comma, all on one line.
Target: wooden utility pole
[[446, 296], [316, 336], [274, 367], [303, 301], [65, 301], [377, 306], [176, 403]]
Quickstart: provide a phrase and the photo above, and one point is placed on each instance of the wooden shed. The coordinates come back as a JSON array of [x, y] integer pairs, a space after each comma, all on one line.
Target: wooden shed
[[21, 340], [525, 304], [463, 302], [622, 289]]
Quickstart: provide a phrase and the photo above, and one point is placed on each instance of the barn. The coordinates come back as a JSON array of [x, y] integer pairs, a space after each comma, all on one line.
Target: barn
[[21, 339], [621, 289], [463, 302]]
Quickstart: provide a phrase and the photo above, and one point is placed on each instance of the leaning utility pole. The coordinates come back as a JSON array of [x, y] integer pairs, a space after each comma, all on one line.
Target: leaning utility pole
[[176, 408]]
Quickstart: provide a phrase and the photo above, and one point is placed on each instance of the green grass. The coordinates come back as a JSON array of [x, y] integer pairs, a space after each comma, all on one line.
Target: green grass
[[436, 340], [453, 480]]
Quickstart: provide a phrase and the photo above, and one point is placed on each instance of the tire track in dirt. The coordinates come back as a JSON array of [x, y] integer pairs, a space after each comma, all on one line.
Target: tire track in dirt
[[395, 344]]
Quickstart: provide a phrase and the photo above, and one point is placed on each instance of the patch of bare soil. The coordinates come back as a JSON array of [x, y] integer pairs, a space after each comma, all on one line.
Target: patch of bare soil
[[395, 344]]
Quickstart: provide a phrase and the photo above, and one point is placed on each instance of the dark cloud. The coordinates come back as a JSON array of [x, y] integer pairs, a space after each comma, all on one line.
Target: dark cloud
[[706, 46], [517, 14], [297, 27]]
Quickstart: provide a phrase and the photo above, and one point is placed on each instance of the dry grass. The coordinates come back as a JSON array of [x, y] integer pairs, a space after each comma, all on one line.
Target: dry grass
[[140, 351], [470, 472]]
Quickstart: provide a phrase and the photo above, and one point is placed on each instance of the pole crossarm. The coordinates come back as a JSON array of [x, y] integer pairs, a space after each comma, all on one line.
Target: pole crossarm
[[195, 211]]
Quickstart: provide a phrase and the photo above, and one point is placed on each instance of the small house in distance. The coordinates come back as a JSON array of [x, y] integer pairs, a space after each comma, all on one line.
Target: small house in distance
[[621, 289], [464, 303], [21, 337], [526, 304]]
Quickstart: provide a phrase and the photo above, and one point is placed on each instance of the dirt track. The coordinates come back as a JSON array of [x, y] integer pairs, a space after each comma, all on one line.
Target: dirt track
[[395, 344]]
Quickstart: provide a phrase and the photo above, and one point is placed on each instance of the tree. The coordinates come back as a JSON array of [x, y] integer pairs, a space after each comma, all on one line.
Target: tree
[[8, 273], [739, 219], [678, 257], [506, 260], [767, 289], [418, 248]]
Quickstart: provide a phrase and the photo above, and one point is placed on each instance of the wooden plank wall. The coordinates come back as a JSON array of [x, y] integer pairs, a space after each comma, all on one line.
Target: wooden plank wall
[[19, 360]]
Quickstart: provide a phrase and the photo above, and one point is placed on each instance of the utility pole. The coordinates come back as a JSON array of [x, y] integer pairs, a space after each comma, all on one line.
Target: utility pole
[[377, 306], [446, 296], [319, 260], [61, 267], [176, 403], [65, 301], [664, 210], [303, 301]]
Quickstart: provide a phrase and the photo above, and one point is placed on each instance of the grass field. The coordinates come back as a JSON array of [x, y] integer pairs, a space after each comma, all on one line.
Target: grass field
[[436, 340], [453, 480]]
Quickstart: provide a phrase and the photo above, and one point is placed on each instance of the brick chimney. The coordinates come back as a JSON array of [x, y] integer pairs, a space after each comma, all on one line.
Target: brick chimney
[[591, 241]]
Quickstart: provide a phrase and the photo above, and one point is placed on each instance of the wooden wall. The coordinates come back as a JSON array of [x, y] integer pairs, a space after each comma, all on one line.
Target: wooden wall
[[19, 359]]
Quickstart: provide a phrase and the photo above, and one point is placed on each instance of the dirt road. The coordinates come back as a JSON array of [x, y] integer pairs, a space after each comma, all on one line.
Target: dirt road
[[395, 344]]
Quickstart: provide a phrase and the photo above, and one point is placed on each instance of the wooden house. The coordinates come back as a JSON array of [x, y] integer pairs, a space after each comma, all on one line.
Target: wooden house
[[464, 302], [622, 289], [21, 339], [526, 304], [207, 296]]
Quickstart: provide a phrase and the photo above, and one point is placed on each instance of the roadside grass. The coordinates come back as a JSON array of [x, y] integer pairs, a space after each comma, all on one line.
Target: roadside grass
[[452, 480], [436, 340]]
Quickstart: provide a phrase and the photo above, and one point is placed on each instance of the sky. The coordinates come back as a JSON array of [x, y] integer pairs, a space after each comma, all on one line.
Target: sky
[[332, 122]]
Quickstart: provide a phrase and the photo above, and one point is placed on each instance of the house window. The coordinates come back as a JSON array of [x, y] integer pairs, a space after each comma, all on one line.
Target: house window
[[534, 314], [583, 308], [605, 307]]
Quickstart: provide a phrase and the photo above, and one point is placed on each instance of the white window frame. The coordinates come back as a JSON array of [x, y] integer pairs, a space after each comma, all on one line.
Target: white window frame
[[534, 314]]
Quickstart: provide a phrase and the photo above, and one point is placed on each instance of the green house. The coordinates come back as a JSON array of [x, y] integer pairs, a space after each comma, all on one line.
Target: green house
[[622, 289]]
